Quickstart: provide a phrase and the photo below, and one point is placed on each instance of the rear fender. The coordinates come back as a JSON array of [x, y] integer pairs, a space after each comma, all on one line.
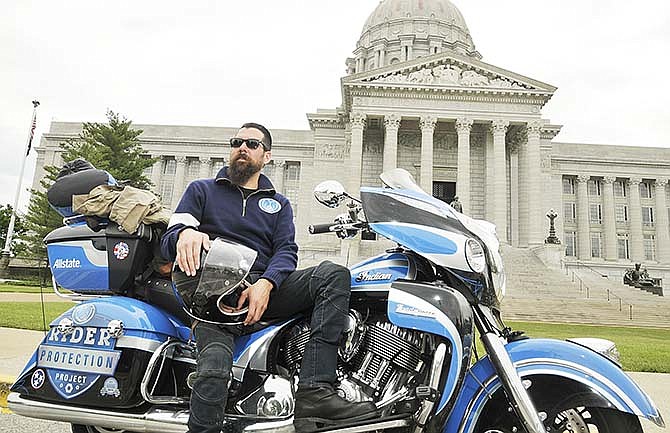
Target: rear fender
[[541, 360], [145, 326]]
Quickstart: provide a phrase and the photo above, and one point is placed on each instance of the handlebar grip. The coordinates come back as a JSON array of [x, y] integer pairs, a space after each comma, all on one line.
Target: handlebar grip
[[316, 229]]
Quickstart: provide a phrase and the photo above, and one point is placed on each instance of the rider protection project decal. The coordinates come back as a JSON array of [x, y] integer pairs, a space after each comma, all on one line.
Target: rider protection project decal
[[75, 360], [121, 250], [269, 205]]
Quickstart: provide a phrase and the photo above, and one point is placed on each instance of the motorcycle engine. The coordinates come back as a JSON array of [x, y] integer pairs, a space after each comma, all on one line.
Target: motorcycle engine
[[376, 358]]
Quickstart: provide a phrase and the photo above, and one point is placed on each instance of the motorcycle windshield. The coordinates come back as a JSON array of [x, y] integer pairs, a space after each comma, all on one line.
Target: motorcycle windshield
[[405, 214]]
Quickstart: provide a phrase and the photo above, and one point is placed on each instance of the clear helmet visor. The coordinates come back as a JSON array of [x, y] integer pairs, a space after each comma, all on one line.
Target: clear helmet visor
[[212, 294]]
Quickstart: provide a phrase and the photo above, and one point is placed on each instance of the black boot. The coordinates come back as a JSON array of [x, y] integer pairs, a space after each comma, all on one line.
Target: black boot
[[321, 407]]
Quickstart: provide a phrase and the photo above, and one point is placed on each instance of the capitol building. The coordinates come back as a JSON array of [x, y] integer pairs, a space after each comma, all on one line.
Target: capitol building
[[418, 95]]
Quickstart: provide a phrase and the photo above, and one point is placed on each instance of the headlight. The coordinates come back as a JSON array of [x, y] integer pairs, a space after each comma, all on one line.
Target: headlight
[[474, 254]]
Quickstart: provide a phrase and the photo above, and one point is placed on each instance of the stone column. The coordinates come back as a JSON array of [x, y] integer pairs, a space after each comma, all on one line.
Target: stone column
[[463, 128], [499, 128], [514, 192], [392, 125], [427, 129], [583, 230], [635, 214], [357, 120], [179, 177], [490, 176], [521, 138], [156, 172], [205, 167], [382, 57], [609, 218], [662, 234], [535, 202], [280, 167]]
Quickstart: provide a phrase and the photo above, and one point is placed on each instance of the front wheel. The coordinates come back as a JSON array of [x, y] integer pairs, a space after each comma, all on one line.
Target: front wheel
[[578, 419]]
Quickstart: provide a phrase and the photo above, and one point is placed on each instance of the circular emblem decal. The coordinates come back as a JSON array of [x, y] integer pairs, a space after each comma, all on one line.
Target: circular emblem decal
[[121, 250], [37, 379], [269, 205], [83, 313]]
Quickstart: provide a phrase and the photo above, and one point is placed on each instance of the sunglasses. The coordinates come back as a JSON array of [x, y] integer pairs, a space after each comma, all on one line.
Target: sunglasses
[[252, 143]]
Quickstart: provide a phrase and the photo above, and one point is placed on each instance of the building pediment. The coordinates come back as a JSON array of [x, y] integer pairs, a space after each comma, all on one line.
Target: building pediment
[[449, 72]]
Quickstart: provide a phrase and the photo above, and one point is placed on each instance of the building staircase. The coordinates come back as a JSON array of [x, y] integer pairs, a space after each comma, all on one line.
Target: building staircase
[[577, 294]]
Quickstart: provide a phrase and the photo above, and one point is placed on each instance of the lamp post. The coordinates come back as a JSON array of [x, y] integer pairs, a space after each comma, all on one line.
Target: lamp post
[[552, 239]]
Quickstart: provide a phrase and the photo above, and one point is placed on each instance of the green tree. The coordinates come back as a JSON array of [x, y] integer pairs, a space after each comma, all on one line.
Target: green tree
[[113, 146], [19, 229]]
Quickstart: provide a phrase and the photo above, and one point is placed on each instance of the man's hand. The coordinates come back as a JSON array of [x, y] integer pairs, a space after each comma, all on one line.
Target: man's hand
[[258, 295], [189, 244]]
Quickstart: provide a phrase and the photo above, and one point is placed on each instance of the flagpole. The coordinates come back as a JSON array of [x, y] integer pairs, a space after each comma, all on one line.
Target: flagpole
[[10, 229]]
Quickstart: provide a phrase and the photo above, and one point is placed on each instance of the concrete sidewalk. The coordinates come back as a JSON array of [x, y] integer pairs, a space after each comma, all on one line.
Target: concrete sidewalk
[[19, 345]]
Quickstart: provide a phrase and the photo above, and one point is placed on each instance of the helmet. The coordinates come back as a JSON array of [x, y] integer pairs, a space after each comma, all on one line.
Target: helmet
[[212, 294]]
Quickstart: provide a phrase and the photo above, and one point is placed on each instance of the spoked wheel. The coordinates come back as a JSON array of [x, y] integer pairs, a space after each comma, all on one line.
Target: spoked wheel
[[593, 420], [578, 420]]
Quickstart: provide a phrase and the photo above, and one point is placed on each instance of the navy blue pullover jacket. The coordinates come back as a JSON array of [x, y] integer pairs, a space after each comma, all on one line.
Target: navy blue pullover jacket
[[263, 222]]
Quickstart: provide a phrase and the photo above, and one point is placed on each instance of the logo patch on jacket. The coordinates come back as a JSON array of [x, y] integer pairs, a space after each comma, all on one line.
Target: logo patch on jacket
[[269, 205]]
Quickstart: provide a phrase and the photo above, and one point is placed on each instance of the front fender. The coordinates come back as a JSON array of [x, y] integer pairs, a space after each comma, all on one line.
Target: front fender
[[544, 357]]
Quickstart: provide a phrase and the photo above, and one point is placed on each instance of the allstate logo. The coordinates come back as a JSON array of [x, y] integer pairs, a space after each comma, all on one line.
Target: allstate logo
[[83, 313], [121, 250], [269, 205]]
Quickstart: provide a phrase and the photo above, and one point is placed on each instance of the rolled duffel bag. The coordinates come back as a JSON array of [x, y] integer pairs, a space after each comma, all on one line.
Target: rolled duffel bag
[[76, 177]]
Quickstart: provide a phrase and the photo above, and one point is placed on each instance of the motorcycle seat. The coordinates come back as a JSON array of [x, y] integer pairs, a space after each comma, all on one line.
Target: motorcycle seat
[[160, 294]]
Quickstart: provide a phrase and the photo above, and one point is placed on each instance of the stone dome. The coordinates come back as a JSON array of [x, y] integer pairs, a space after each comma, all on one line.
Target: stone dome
[[401, 30]]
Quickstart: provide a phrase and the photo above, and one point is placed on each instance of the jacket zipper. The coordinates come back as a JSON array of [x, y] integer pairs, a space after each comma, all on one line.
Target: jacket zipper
[[244, 199]]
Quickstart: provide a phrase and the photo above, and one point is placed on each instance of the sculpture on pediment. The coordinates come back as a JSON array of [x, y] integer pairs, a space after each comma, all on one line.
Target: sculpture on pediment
[[501, 82], [472, 78], [422, 76], [447, 74]]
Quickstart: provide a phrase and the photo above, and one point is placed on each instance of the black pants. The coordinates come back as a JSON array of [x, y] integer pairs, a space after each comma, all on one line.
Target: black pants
[[322, 290]]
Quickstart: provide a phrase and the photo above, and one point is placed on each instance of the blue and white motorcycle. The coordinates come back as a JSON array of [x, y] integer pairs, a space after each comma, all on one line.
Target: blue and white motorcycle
[[120, 359]]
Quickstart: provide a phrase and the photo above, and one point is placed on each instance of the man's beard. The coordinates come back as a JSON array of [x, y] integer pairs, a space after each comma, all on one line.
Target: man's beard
[[240, 171]]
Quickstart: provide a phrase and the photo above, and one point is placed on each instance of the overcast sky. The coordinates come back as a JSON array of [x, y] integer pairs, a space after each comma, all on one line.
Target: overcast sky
[[221, 63]]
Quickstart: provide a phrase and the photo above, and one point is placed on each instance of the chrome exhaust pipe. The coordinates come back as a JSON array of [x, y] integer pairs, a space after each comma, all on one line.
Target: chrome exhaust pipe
[[153, 421]]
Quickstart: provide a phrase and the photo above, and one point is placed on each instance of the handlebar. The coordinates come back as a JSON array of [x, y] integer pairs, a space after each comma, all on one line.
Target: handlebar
[[316, 229]]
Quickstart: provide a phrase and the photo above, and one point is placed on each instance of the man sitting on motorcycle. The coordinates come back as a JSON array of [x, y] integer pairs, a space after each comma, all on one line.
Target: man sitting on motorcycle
[[242, 205]]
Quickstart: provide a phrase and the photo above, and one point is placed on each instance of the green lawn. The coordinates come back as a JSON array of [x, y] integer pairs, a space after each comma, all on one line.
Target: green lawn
[[641, 349], [28, 315], [6, 287]]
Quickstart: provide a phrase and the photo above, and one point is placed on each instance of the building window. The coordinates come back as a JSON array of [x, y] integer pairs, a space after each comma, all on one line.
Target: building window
[[445, 191], [621, 212], [571, 244], [570, 211], [649, 247], [596, 239], [594, 187], [647, 216], [622, 246], [596, 214], [217, 165], [292, 183], [646, 190], [620, 189], [167, 180], [147, 170], [192, 169], [569, 185]]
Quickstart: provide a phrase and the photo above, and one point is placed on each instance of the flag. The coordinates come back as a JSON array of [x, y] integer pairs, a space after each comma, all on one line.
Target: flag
[[32, 133]]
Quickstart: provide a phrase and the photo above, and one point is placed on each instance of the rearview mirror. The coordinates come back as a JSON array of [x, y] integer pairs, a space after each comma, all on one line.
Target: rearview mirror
[[330, 193]]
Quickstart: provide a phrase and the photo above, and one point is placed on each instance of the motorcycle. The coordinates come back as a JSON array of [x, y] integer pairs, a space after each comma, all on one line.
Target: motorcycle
[[120, 360]]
